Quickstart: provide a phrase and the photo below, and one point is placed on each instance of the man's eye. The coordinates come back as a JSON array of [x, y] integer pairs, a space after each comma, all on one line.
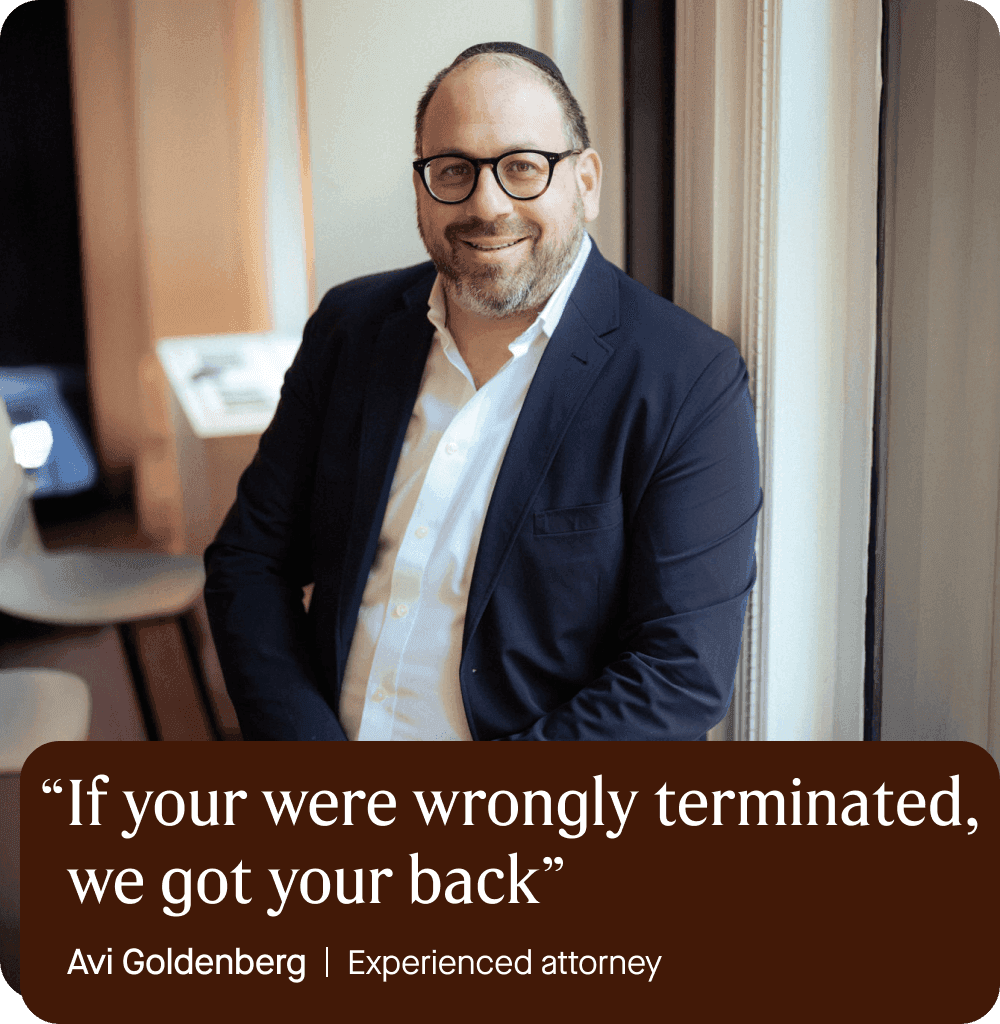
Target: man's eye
[[523, 169], [454, 170]]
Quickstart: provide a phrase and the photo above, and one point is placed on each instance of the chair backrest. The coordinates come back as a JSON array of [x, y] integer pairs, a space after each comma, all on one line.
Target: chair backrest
[[18, 531]]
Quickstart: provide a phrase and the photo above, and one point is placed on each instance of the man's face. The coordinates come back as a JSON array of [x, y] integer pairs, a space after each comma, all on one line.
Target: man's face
[[501, 256]]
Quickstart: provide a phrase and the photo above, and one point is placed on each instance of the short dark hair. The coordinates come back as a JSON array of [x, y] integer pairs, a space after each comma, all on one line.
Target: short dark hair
[[573, 119]]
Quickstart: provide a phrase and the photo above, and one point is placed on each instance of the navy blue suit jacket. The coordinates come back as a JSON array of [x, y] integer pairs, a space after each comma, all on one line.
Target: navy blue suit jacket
[[616, 557]]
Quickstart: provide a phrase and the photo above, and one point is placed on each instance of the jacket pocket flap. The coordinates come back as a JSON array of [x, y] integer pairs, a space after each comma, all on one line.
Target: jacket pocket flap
[[579, 518]]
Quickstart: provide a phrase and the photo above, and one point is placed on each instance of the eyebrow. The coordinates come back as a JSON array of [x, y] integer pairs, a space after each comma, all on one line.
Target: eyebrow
[[515, 148]]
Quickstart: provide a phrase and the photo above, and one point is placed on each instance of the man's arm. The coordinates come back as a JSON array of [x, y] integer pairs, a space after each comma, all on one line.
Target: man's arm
[[690, 571], [258, 565]]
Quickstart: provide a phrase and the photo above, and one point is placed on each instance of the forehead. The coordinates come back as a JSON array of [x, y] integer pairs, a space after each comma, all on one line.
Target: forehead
[[484, 109]]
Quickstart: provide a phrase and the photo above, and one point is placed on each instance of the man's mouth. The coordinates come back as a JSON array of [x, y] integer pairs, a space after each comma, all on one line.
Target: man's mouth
[[490, 246]]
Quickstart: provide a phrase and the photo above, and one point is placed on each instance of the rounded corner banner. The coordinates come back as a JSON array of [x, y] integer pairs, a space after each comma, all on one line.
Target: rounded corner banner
[[786, 881]]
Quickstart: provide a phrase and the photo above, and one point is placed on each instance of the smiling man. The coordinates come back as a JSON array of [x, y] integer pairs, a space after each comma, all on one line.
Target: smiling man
[[524, 488]]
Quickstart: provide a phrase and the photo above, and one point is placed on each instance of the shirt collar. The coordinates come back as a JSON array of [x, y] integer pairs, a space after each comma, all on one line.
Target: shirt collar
[[546, 321]]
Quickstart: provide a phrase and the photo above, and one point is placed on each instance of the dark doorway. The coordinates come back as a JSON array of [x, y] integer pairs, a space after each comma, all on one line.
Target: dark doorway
[[43, 352], [41, 300], [875, 604], [648, 42]]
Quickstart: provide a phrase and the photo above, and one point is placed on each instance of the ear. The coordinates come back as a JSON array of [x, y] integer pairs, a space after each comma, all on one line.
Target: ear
[[588, 183]]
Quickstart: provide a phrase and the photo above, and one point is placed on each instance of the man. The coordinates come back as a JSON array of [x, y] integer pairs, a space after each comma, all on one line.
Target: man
[[524, 488]]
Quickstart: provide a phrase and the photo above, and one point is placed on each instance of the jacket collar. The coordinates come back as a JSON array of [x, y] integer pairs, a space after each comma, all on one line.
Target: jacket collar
[[596, 295]]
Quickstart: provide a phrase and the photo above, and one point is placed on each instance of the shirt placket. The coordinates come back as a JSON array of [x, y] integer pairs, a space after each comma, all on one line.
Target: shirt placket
[[437, 495]]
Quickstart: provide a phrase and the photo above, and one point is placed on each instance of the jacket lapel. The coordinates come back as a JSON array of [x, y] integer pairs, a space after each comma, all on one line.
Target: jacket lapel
[[397, 365], [573, 359]]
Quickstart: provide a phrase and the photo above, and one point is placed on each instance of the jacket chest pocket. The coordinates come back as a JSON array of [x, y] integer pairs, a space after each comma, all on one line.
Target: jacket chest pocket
[[576, 554], [562, 585], [580, 519]]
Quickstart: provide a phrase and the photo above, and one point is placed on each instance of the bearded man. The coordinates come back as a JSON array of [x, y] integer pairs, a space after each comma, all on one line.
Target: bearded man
[[523, 487]]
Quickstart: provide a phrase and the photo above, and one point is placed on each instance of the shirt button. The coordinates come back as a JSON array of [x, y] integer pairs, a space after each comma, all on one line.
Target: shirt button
[[379, 694], [400, 611], [451, 447], [421, 531]]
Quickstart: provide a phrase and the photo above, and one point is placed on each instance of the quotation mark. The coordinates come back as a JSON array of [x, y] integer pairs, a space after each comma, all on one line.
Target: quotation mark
[[54, 788], [548, 862]]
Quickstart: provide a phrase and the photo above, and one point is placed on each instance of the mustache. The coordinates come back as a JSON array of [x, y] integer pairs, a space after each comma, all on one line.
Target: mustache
[[489, 229]]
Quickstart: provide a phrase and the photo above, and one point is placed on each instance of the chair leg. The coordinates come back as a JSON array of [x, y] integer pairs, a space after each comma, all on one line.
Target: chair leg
[[127, 635], [10, 880], [184, 620]]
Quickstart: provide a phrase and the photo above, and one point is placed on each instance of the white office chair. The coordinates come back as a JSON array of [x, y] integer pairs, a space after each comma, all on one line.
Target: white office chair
[[37, 706], [87, 587]]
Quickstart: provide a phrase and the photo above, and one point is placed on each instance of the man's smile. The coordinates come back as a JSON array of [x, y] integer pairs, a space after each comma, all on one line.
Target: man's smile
[[491, 245]]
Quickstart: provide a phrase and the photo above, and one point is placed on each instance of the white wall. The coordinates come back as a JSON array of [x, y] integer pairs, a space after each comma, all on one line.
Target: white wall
[[584, 37], [366, 65]]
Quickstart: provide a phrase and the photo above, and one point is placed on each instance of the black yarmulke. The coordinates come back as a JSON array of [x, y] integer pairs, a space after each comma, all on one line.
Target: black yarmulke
[[518, 50]]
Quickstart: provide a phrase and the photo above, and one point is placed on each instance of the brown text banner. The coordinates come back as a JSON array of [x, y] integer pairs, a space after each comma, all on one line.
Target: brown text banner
[[799, 881]]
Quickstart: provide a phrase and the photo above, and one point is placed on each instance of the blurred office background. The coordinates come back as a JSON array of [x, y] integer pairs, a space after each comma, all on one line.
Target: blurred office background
[[180, 187]]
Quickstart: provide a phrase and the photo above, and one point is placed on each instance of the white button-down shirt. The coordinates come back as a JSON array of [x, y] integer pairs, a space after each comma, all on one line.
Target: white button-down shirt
[[401, 680]]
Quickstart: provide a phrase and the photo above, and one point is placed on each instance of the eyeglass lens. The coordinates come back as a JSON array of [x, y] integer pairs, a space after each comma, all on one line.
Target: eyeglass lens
[[523, 175]]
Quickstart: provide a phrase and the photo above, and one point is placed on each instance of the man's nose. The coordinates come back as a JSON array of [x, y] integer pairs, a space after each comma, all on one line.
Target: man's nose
[[488, 199]]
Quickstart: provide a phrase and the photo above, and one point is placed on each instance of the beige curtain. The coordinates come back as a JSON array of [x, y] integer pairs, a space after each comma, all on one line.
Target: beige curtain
[[941, 670], [168, 126]]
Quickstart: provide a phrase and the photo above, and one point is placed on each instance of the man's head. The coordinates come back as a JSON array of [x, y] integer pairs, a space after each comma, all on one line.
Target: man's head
[[515, 56], [500, 256]]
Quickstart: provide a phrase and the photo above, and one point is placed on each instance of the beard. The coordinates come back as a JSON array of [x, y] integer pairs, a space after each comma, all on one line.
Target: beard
[[493, 290]]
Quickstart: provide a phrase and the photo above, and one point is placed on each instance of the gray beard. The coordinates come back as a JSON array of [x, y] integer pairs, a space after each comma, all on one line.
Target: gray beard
[[495, 292]]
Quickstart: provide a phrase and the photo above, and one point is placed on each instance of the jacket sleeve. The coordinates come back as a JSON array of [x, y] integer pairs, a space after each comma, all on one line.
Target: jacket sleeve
[[259, 562], [690, 569]]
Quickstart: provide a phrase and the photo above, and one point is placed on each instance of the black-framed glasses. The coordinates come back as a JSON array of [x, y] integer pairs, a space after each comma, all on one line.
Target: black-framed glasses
[[521, 173]]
